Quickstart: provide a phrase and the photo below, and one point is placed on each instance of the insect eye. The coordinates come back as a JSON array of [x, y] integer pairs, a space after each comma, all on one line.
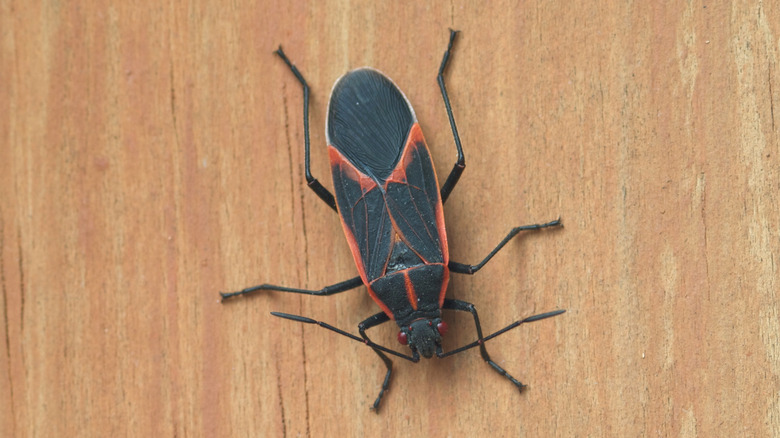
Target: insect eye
[[403, 338], [442, 328]]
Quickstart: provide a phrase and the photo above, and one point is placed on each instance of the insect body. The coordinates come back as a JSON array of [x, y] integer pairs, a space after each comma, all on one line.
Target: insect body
[[390, 205], [388, 198]]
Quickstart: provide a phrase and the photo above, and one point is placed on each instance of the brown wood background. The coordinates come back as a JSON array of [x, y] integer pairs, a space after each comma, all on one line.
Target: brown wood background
[[152, 155]]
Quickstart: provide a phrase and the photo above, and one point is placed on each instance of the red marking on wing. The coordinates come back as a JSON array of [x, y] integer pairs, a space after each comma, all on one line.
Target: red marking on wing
[[336, 159], [413, 141]]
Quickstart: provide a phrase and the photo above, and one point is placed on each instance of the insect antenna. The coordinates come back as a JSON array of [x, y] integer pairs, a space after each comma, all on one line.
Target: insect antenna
[[502, 331], [370, 343]]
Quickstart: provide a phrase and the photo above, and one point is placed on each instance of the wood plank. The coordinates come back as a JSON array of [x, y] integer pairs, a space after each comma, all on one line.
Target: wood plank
[[152, 156]]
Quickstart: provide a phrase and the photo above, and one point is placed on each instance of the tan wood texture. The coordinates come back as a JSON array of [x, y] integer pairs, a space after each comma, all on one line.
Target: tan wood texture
[[152, 155]]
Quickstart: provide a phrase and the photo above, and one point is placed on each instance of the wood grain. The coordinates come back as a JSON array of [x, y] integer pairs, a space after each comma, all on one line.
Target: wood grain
[[152, 156]]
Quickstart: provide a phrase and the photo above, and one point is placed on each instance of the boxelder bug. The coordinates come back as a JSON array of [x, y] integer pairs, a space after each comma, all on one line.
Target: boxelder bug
[[390, 205]]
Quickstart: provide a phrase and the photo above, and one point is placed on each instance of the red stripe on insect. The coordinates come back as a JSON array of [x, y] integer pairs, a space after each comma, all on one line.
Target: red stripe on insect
[[410, 294]]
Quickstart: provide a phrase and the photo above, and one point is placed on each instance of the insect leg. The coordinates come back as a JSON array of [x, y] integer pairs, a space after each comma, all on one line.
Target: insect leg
[[457, 169], [462, 268], [463, 306], [369, 322], [315, 185], [327, 290]]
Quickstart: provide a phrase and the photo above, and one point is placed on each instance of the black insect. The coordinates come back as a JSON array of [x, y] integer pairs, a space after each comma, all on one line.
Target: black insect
[[390, 205]]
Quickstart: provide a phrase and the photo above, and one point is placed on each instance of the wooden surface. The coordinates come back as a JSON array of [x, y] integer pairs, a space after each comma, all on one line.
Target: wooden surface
[[152, 156]]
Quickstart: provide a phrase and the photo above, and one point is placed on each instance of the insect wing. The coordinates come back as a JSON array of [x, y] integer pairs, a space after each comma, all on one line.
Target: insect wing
[[385, 184], [414, 202]]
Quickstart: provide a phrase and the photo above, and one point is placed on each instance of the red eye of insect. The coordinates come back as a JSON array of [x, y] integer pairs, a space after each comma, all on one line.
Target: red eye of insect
[[403, 338], [442, 328]]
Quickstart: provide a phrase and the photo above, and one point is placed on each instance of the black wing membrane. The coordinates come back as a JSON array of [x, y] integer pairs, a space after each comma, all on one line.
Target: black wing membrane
[[412, 206], [368, 121], [408, 208], [365, 214]]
